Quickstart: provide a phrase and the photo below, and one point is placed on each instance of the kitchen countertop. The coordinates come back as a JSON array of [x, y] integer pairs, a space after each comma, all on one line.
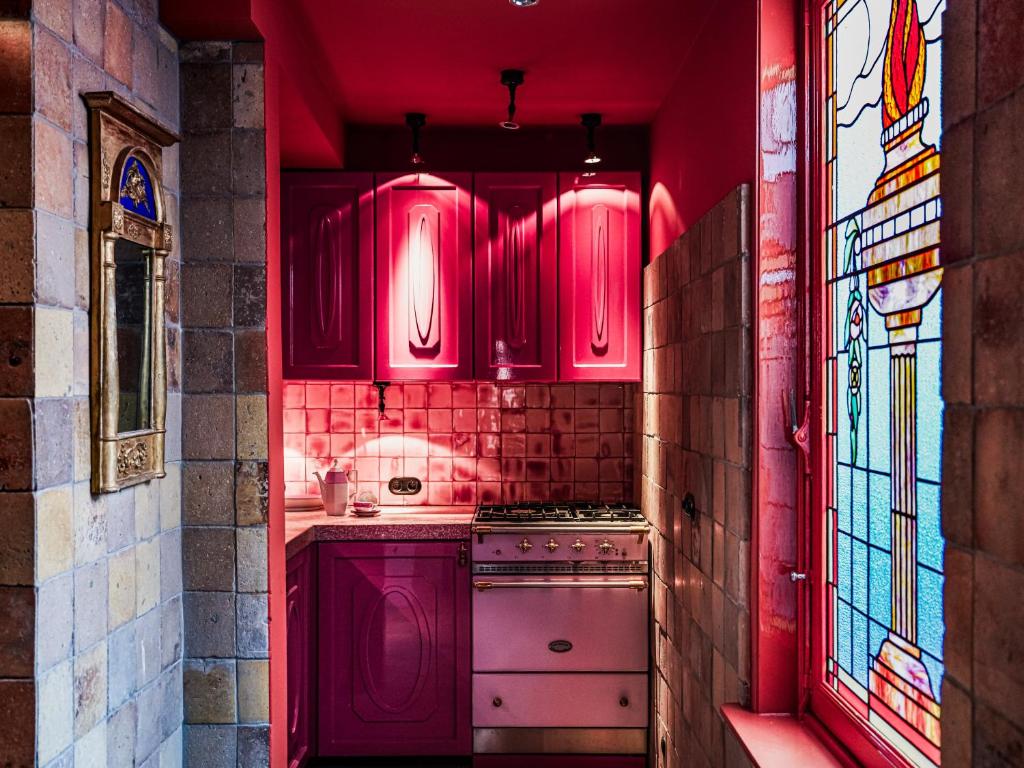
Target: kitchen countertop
[[392, 524]]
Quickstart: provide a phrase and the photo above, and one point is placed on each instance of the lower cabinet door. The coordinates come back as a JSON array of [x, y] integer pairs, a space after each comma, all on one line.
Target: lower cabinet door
[[394, 649], [300, 589]]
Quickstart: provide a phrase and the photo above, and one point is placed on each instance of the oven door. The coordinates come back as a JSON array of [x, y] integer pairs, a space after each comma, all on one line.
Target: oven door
[[537, 623]]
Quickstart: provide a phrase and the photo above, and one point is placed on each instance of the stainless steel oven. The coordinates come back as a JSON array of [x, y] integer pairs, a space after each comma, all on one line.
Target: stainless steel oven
[[561, 607]]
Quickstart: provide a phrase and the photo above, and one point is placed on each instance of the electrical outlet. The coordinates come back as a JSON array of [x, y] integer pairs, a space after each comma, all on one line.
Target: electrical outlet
[[405, 486]]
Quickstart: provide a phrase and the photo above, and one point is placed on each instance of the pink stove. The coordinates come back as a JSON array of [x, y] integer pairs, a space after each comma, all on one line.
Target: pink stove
[[561, 607]]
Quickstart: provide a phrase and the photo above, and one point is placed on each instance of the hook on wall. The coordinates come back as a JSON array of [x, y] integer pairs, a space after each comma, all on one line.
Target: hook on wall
[[381, 405]]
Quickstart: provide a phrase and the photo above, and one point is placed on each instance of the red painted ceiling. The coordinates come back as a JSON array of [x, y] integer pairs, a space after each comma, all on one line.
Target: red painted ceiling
[[387, 57]]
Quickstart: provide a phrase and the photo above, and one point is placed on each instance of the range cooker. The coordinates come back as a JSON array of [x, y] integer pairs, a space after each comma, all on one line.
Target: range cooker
[[560, 629]]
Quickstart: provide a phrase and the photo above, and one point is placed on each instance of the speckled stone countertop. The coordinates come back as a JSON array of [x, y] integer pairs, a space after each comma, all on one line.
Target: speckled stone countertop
[[392, 524]]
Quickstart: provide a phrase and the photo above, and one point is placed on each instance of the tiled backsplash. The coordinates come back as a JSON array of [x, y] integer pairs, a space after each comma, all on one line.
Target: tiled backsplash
[[470, 443]]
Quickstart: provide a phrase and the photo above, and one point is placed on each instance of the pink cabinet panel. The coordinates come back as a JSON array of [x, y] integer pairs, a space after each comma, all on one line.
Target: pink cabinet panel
[[327, 274], [538, 630], [300, 609], [424, 277], [599, 277], [394, 649], [574, 700], [516, 263]]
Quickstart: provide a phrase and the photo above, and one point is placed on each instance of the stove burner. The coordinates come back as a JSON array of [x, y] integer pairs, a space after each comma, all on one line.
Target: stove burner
[[569, 512]]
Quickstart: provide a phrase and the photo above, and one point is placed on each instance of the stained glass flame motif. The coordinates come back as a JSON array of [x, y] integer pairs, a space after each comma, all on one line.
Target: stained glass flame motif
[[884, 550]]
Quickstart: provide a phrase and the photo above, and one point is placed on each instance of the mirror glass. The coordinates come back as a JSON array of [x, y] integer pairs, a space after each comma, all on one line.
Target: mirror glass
[[133, 298]]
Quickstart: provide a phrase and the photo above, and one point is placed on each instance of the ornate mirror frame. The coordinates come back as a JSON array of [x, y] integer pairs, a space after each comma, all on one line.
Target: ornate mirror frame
[[126, 202]]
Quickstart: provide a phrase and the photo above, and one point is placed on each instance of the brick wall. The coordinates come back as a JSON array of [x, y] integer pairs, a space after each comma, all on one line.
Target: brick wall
[[983, 346], [470, 443], [224, 381], [102, 573], [695, 438]]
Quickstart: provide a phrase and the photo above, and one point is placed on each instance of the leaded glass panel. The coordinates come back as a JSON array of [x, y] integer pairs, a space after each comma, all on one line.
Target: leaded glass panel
[[881, 145]]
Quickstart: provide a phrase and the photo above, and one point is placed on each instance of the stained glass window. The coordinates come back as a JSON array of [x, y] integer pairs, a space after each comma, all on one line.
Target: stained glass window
[[880, 149]]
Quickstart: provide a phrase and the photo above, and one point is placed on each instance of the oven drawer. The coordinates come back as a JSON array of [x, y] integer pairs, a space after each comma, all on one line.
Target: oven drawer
[[559, 624], [560, 701]]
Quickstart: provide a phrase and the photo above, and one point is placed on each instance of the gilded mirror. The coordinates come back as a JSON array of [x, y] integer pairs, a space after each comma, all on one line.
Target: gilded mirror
[[130, 240]]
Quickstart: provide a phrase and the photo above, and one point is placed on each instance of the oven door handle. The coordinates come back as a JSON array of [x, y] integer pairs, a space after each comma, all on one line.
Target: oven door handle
[[638, 584]]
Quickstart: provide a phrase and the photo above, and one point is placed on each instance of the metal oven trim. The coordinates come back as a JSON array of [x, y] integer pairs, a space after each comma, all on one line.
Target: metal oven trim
[[564, 568], [590, 741]]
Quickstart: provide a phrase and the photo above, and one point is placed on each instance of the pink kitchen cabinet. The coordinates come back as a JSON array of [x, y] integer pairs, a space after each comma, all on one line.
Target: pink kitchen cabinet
[[327, 274], [599, 277], [424, 277], [516, 274], [300, 609], [394, 650]]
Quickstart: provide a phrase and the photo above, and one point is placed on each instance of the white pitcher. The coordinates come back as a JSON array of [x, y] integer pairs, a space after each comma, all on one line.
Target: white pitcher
[[334, 489]]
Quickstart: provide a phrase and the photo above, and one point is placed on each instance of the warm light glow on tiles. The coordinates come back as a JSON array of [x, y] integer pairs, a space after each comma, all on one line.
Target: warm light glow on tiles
[[468, 442]]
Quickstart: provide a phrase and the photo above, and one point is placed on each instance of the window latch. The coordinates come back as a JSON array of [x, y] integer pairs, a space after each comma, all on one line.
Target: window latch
[[799, 428], [795, 576]]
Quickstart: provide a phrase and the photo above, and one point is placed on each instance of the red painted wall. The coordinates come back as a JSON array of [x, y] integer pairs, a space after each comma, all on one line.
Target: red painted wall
[[275, 428], [774, 538], [704, 139]]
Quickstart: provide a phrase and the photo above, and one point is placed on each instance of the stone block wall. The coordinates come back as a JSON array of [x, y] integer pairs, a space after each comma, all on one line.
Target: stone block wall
[[92, 602], [695, 438], [224, 381], [17, 390], [983, 350]]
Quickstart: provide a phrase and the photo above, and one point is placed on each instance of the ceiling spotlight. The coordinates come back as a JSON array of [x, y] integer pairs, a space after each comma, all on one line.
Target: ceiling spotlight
[[524, 3], [590, 121], [416, 120], [511, 79]]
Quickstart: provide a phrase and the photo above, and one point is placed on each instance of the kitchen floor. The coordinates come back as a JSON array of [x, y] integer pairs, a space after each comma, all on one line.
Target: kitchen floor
[[393, 762]]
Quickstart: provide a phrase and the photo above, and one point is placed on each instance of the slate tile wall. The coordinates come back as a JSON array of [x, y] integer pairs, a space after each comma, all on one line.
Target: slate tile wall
[[695, 438], [469, 442], [983, 329], [90, 584], [224, 413]]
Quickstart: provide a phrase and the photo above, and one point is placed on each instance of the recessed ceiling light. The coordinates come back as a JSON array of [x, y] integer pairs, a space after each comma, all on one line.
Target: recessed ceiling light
[[523, 3]]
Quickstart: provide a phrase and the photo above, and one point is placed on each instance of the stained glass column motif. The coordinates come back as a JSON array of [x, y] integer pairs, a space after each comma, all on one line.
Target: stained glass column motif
[[885, 618]]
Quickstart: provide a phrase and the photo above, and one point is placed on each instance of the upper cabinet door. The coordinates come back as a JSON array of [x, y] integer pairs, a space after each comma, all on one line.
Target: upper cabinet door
[[327, 250], [516, 270], [599, 277], [424, 277]]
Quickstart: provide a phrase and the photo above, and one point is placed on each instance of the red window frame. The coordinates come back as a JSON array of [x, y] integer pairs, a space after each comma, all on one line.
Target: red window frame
[[836, 722]]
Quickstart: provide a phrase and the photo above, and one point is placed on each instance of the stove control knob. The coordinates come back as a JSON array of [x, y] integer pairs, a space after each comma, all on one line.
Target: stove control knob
[[605, 547], [524, 546], [551, 546], [578, 546]]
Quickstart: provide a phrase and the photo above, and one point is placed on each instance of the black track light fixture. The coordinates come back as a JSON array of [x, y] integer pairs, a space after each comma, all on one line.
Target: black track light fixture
[[416, 121], [511, 79], [590, 121]]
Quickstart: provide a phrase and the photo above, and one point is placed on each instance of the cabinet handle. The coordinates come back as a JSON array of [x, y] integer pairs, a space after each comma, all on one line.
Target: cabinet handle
[[496, 701], [623, 702], [463, 554]]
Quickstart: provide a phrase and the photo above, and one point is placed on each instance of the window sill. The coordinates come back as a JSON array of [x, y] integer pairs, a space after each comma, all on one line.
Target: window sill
[[779, 741]]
